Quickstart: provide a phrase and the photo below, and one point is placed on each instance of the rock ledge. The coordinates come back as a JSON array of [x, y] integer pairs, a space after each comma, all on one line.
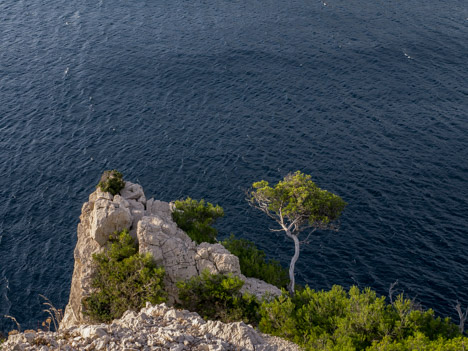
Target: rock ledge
[[156, 327]]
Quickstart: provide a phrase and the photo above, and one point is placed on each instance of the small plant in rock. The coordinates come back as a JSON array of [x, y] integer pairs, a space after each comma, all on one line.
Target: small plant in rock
[[123, 279], [218, 297], [196, 217], [112, 182], [253, 262]]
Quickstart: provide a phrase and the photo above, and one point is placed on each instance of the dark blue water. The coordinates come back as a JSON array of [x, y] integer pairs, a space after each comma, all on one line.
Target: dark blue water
[[202, 99]]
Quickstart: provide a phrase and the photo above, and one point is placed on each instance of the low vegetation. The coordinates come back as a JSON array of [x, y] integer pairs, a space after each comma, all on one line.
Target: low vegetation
[[218, 297], [112, 182], [356, 320], [253, 262], [196, 219], [333, 320], [124, 279]]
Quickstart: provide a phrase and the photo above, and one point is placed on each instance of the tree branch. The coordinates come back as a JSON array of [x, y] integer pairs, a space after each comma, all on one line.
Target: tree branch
[[305, 241]]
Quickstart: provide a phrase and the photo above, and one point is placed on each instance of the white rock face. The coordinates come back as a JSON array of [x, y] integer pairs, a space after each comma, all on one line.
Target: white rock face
[[101, 216], [150, 222], [109, 216], [153, 328], [182, 258]]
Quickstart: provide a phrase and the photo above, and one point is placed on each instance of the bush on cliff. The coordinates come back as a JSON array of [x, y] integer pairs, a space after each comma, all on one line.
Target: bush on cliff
[[356, 320], [112, 182], [196, 217], [253, 262], [218, 297], [124, 279]]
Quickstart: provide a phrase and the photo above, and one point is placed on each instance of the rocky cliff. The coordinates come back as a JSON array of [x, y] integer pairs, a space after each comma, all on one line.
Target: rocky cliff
[[154, 327], [150, 222]]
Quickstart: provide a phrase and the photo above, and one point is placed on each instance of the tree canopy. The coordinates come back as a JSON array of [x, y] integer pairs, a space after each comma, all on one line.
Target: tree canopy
[[297, 203]]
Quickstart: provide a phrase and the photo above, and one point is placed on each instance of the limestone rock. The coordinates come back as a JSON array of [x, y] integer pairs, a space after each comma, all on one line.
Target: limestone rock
[[223, 261], [157, 327], [170, 248], [108, 217], [237, 333], [133, 191], [258, 287], [159, 208], [100, 216]]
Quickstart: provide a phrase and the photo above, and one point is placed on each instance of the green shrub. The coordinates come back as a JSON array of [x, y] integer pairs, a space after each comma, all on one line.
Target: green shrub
[[218, 297], [124, 279], [196, 217], [420, 342], [354, 320], [253, 262], [112, 182]]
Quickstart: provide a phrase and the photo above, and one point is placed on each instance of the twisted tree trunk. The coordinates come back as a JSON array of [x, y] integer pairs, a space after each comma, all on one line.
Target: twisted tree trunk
[[293, 261]]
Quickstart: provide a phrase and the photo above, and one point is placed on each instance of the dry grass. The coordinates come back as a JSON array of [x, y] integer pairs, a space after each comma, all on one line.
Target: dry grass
[[56, 315], [14, 320]]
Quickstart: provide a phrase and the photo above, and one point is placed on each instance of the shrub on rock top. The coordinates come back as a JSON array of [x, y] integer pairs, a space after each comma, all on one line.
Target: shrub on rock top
[[111, 182], [123, 280], [196, 217]]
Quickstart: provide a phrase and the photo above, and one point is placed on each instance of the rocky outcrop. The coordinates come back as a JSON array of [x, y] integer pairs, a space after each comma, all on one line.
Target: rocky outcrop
[[101, 216], [150, 222], [182, 258], [153, 328]]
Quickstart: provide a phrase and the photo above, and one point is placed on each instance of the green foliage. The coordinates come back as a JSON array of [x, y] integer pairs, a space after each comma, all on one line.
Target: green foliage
[[297, 198], [196, 217], [112, 182], [420, 342], [124, 279], [356, 320], [218, 297], [253, 262]]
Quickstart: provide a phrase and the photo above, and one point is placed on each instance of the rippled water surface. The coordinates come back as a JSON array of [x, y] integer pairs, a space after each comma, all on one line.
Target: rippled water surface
[[203, 98]]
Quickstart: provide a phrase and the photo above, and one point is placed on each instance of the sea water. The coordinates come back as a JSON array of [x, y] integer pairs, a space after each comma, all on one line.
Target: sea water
[[201, 99]]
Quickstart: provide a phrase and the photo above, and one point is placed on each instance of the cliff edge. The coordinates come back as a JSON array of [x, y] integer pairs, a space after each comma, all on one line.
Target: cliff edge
[[156, 327]]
